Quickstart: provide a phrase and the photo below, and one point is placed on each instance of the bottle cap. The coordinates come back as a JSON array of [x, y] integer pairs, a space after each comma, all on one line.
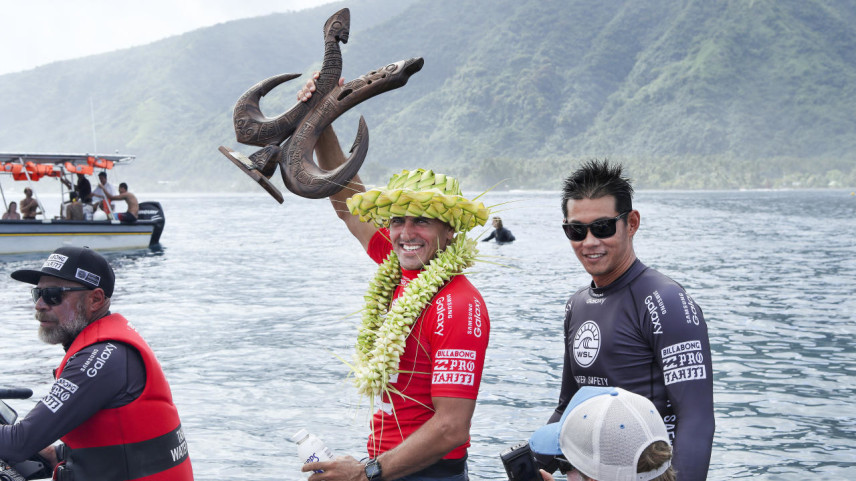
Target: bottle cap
[[299, 436]]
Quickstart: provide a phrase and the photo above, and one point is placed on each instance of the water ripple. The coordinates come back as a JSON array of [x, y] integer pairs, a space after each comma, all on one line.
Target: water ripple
[[250, 308]]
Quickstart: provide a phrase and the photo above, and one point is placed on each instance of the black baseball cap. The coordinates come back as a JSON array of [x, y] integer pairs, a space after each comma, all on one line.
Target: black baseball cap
[[77, 264]]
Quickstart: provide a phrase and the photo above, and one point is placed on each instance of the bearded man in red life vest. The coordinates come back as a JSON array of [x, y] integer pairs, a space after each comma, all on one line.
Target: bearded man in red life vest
[[111, 404]]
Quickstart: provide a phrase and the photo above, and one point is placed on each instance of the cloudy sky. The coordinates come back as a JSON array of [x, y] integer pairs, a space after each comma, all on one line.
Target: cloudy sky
[[37, 32]]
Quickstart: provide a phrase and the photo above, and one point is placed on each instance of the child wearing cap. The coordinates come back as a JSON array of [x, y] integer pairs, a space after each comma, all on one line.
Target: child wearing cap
[[608, 434]]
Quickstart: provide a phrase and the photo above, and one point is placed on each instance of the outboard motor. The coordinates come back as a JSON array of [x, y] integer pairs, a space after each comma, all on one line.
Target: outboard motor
[[153, 212]]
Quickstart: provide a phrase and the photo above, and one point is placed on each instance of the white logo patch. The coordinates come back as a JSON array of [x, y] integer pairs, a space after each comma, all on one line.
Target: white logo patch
[[179, 451], [101, 360], [55, 261], [474, 313], [441, 313], [381, 405], [87, 277], [454, 366], [61, 391], [587, 343], [689, 308], [683, 362]]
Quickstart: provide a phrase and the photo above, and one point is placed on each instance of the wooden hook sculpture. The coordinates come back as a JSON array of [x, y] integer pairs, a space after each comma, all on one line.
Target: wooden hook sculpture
[[299, 128], [300, 174]]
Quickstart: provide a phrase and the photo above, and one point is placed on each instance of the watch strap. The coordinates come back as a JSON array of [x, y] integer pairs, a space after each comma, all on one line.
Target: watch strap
[[373, 470]]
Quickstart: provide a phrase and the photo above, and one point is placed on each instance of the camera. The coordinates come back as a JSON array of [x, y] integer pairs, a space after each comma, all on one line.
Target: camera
[[519, 463]]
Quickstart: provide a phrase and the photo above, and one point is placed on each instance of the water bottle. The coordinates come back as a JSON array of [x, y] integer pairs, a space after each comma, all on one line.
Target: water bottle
[[310, 448]]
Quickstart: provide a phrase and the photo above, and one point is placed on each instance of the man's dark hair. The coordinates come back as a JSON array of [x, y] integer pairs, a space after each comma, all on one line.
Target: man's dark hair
[[596, 179], [102, 173], [123, 186]]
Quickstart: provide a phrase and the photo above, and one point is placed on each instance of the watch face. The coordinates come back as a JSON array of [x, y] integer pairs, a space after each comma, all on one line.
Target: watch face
[[373, 469]]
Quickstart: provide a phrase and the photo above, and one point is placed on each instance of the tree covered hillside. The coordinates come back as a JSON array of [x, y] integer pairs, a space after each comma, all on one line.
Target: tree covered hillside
[[689, 94]]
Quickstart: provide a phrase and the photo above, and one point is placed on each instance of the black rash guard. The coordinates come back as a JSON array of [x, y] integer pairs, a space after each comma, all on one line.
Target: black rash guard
[[502, 235], [86, 386], [645, 334]]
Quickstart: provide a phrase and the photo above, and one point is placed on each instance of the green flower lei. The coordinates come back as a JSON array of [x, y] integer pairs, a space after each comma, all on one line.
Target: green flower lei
[[383, 333]]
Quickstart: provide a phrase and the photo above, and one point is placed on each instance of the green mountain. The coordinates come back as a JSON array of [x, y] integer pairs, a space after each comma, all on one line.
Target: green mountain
[[689, 93]]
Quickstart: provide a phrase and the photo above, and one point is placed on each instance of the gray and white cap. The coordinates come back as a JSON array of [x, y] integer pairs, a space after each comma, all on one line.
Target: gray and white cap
[[602, 433]]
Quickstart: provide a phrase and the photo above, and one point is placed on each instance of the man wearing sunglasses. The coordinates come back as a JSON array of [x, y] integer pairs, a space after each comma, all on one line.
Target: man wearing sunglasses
[[111, 404], [422, 432], [633, 327]]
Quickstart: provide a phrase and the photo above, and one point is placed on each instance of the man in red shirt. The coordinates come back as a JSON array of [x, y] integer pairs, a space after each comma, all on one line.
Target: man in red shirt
[[420, 430]]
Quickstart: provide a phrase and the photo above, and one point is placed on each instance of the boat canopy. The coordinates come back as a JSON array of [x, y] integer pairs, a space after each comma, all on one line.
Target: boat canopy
[[32, 167]]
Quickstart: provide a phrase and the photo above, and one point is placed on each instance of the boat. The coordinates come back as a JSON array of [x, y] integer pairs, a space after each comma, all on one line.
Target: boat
[[47, 234]]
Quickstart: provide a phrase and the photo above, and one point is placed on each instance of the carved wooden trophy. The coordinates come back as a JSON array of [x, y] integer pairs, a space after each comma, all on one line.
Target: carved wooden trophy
[[289, 139]]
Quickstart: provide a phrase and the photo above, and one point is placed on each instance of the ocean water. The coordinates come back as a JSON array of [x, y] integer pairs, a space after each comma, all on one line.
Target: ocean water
[[250, 307]]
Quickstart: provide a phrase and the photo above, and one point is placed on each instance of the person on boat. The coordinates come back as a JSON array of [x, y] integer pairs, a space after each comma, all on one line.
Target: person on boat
[[103, 191], [111, 404], [89, 211], [608, 434], [420, 430], [74, 208], [12, 212], [633, 327], [29, 205], [82, 190], [500, 233], [130, 216]]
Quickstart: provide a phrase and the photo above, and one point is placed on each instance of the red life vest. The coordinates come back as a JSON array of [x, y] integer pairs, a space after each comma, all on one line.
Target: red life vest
[[142, 440]]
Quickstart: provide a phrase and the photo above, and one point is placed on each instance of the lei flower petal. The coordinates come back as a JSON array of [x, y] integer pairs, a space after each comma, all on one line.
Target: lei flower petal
[[383, 332]]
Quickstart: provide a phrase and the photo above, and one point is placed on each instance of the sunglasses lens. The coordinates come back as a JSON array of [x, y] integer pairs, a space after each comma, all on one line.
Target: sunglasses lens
[[51, 295], [575, 232], [603, 228]]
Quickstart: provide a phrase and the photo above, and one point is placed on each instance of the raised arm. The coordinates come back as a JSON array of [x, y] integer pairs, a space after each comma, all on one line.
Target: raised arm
[[329, 155]]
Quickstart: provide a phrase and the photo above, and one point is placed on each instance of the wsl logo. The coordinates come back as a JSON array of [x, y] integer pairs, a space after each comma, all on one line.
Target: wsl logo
[[587, 344]]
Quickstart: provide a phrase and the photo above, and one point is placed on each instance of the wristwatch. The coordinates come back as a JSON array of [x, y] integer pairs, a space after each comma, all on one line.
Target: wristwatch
[[373, 471]]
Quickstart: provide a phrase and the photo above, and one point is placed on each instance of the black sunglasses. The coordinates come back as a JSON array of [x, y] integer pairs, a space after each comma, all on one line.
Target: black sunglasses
[[601, 229], [53, 295]]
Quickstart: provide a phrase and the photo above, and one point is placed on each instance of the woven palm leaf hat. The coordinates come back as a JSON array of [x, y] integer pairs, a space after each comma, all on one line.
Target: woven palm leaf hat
[[419, 193]]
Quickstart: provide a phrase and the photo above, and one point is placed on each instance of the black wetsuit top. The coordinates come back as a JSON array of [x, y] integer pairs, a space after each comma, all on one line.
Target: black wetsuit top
[[80, 392], [645, 334], [502, 235], [84, 190]]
